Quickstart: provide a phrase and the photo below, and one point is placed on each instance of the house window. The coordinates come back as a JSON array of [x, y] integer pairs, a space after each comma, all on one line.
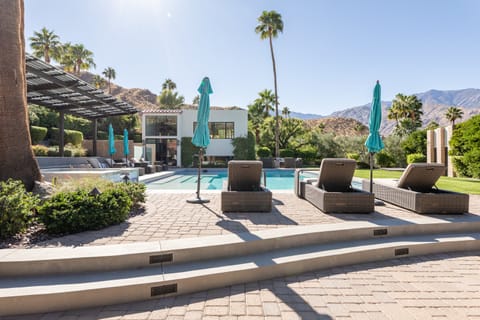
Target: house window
[[220, 130], [161, 126]]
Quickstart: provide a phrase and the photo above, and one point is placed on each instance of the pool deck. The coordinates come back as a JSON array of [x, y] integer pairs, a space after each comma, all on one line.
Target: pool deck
[[433, 286]]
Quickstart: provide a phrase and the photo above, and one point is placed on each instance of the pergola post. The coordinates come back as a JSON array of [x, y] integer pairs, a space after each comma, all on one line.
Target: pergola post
[[94, 142], [61, 133]]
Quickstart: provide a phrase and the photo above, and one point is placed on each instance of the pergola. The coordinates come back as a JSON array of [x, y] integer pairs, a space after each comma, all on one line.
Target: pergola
[[51, 87]]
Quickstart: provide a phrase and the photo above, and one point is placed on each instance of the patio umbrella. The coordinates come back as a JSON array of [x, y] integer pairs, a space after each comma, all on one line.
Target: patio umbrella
[[111, 142], [201, 136], [374, 142], [126, 152]]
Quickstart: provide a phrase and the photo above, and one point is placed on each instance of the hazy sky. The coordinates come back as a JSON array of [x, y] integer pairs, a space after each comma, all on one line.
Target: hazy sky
[[328, 57]]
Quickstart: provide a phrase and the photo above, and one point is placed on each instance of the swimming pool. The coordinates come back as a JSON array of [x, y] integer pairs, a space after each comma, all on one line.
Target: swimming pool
[[277, 179]]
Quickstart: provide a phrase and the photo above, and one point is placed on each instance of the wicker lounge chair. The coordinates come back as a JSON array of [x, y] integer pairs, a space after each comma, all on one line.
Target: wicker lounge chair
[[333, 192], [243, 190], [416, 191]]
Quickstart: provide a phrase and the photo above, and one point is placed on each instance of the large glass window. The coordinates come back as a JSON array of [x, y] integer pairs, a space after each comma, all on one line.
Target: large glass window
[[161, 125], [220, 130]]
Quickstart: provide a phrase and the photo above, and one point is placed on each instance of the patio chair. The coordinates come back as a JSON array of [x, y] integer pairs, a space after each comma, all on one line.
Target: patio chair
[[416, 190], [243, 191], [333, 191]]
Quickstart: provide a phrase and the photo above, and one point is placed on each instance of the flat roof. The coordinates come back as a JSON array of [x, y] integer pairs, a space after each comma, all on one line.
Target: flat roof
[[52, 87]]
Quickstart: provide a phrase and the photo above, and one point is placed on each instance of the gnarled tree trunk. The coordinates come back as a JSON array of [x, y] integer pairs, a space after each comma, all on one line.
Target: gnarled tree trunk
[[17, 160]]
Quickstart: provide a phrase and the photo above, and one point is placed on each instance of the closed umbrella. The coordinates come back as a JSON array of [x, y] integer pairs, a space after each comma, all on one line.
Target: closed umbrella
[[374, 142], [126, 152], [201, 136], [111, 142]]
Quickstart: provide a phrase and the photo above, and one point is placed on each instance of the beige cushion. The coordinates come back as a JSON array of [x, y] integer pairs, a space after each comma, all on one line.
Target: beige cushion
[[336, 174], [244, 175], [421, 176]]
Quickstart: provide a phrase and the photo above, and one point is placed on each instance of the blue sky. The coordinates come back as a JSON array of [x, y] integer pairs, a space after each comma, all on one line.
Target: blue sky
[[328, 57]]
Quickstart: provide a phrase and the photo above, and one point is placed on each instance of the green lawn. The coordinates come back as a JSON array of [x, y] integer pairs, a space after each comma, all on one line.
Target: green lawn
[[465, 185]]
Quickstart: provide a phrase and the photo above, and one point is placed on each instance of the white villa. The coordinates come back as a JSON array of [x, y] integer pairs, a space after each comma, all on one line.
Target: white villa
[[162, 131]]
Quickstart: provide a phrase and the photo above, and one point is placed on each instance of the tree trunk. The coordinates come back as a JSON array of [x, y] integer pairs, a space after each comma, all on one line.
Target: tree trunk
[[17, 160], [277, 129]]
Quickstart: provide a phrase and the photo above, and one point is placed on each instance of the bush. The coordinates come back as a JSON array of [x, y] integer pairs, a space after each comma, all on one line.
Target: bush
[[71, 136], [244, 147], [56, 153], [188, 150], [136, 191], [17, 207], [37, 134], [461, 168], [416, 157], [286, 153], [40, 151], [76, 211], [384, 159], [354, 156], [264, 152]]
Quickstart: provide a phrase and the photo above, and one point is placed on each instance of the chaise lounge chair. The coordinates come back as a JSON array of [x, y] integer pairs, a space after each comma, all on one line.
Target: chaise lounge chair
[[416, 191], [333, 191], [243, 190]]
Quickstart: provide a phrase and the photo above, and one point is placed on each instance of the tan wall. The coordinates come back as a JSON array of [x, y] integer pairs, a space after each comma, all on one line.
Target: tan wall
[[437, 141], [102, 148]]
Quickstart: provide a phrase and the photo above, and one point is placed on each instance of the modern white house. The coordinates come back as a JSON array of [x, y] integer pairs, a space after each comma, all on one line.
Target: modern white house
[[162, 131]]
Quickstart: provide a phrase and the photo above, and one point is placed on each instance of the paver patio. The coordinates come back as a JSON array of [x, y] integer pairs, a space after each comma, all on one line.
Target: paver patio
[[445, 286]]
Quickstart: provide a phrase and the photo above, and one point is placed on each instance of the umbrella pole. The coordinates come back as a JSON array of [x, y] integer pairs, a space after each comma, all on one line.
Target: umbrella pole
[[371, 172], [198, 199]]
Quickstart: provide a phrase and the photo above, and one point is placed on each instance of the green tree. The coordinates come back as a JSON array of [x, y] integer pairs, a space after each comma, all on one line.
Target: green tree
[[255, 119], [286, 112], [416, 142], [453, 113], [110, 74], [432, 125], [44, 44], [267, 100], [65, 57], [170, 100], [269, 25], [196, 99], [169, 85], [407, 112], [82, 58], [98, 81]]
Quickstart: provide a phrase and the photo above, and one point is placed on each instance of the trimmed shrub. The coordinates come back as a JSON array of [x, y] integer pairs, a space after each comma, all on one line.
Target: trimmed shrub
[[72, 212], [71, 136], [416, 157], [384, 159], [287, 153], [354, 156], [37, 134], [102, 135], [264, 152], [40, 151], [244, 147], [17, 207], [188, 150], [136, 192]]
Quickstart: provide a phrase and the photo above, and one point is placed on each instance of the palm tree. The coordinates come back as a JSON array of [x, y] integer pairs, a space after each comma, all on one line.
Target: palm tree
[[82, 57], [98, 81], [17, 158], [44, 44], [407, 112], [269, 24], [170, 100], [266, 99], [286, 112], [110, 74], [65, 57], [256, 117], [453, 113], [169, 85], [196, 100]]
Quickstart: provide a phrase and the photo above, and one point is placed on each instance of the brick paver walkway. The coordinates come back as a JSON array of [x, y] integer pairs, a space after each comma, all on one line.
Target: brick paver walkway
[[441, 286]]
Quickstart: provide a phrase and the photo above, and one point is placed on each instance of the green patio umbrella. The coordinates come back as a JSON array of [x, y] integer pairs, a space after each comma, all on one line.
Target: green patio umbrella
[[111, 142], [126, 152], [374, 142], [201, 136]]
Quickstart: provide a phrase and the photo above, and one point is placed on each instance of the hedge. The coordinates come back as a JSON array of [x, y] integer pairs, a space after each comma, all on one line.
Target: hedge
[[37, 134]]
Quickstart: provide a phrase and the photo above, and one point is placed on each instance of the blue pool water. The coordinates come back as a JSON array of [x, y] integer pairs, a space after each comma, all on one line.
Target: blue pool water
[[213, 180]]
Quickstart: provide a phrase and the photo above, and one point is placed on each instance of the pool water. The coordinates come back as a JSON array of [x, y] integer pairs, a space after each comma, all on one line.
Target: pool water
[[213, 180]]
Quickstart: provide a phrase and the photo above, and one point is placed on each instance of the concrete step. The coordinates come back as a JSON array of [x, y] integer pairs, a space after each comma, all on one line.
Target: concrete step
[[44, 293], [44, 261]]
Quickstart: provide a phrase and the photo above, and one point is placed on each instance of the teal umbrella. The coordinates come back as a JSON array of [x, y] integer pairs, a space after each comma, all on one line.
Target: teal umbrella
[[201, 136], [126, 152], [374, 142], [111, 142]]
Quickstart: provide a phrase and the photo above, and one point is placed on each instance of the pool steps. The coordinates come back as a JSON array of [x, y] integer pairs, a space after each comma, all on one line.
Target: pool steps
[[52, 279]]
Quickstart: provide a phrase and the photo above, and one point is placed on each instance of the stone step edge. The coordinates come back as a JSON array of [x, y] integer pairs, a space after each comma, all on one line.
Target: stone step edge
[[24, 262], [193, 277]]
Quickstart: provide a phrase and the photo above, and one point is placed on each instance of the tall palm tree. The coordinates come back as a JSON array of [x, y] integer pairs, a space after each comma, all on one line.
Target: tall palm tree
[[286, 112], [44, 44], [17, 158], [169, 85], [110, 74], [407, 112], [453, 113], [267, 100], [82, 57], [169, 99], [269, 25], [98, 81], [256, 117], [65, 57]]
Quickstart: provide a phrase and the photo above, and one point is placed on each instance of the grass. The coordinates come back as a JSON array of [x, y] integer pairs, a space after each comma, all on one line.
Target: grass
[[464, 185]]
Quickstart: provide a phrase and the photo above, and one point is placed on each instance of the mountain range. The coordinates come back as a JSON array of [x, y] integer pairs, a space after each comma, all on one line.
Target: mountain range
[[435, 104]]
